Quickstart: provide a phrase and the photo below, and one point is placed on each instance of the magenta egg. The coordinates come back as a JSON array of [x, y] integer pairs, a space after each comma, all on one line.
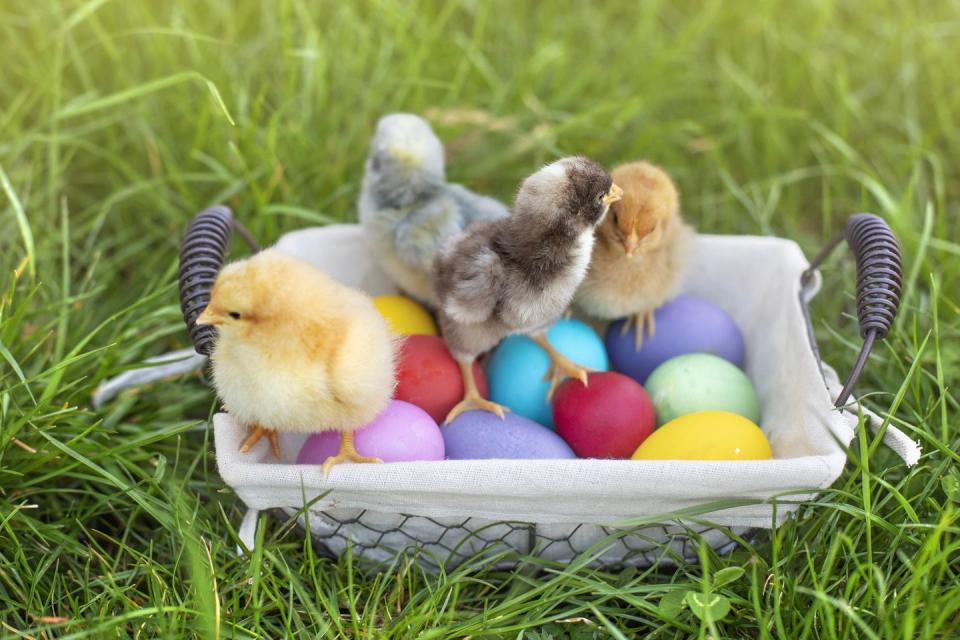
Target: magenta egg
[[401, 433], [607, 418]]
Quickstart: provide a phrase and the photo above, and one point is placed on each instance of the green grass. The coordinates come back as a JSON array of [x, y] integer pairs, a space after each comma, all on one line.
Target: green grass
[[119, 120]]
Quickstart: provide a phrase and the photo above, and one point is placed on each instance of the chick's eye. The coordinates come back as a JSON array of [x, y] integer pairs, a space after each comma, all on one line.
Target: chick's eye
[[600, 198], [234, 314]]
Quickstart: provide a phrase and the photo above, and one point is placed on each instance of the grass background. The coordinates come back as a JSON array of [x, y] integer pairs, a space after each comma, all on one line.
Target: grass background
[[120, 119]]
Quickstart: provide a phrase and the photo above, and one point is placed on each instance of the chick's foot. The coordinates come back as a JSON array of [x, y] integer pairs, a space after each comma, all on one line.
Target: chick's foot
[[475, 401], [649, 323], [472, 398], [560, 366], [347, 453], [644, 323], [257, 433]]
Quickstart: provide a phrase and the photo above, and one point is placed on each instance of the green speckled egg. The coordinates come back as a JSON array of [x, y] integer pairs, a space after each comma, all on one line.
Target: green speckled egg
[[700, 382]]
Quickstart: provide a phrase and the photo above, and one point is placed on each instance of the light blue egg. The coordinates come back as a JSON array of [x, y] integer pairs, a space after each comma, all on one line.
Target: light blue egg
[[516, 368]]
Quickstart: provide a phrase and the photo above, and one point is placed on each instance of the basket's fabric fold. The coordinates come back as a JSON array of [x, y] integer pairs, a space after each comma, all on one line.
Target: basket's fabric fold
[[591, 491], [247, 533], [160, 367], [900, 443]]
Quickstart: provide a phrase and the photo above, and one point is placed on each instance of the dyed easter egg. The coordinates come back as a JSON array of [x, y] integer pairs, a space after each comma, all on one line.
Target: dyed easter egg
[[701, 382], [608, 418], [517, 367], [481, 435], [429, 377], [684, 325], [706, 435], [404, 316], [401, 433]]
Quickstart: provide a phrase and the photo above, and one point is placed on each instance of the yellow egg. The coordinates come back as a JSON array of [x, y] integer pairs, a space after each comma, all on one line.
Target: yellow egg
[[706, 435], [404, 316]]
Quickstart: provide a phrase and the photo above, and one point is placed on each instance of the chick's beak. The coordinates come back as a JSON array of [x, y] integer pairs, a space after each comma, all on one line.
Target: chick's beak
[[613, 195], [631, 243], [208, 317]]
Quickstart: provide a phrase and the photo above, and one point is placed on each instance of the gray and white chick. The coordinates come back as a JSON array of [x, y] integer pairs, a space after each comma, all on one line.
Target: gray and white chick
[[408, 209], [517, 275]]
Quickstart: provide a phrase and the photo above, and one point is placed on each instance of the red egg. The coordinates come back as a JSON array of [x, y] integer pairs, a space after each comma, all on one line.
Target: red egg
[[608, 418], [429, 377]]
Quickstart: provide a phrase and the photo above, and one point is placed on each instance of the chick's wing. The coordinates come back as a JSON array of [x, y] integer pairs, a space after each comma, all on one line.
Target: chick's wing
[[474, 207], [469, 278], [426, 231]]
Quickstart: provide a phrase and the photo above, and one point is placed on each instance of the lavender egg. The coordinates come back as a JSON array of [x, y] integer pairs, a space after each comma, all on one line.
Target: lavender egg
[[481, 435], [684, 325], [403, 432]]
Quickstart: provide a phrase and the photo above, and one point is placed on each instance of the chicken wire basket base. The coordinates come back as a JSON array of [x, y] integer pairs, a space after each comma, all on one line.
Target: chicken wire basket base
[[380, 537], [627, 512]]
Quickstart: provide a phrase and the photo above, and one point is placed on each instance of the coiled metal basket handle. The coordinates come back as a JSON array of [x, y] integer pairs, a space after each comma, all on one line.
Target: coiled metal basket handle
[[879, 280], [202, 253]]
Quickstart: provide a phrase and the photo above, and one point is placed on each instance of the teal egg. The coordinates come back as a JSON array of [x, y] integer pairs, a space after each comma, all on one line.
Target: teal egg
[[516, 369], [701, 382]]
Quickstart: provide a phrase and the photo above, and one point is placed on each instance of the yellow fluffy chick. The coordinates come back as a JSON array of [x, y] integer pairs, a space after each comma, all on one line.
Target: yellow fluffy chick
[[640, 251], [297, 351]]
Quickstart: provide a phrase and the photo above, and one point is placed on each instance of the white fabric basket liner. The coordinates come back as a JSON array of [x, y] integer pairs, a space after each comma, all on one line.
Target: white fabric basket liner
[[451, 508]]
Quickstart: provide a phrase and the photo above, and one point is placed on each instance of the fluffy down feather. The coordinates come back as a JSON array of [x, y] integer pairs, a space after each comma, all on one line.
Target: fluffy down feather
[[408, 209], [297, 351], [641, 249], [518, 274]]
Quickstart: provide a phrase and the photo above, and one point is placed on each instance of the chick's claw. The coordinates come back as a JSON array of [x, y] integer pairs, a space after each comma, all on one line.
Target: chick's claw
[[471, 397], [644, 323], [560, 366], [257, 433], [347, 453], [650, 322], [560, 369], [340, 458], [475, 401]]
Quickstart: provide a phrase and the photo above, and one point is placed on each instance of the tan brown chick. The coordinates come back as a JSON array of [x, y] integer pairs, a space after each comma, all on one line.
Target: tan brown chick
[[297, 351], [640, 251]]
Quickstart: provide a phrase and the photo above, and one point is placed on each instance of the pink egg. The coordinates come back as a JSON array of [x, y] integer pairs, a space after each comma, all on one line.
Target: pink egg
[[401, 433]]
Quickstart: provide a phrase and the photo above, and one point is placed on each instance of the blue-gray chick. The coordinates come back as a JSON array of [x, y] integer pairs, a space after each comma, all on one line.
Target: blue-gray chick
[[408, 209]]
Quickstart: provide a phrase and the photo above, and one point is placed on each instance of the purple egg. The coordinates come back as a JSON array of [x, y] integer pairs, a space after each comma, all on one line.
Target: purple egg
[[684, 325], [481, 435], [401, 433]]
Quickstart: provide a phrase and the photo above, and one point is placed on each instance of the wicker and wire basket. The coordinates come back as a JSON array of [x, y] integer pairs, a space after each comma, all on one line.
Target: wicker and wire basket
[[622, 512]]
